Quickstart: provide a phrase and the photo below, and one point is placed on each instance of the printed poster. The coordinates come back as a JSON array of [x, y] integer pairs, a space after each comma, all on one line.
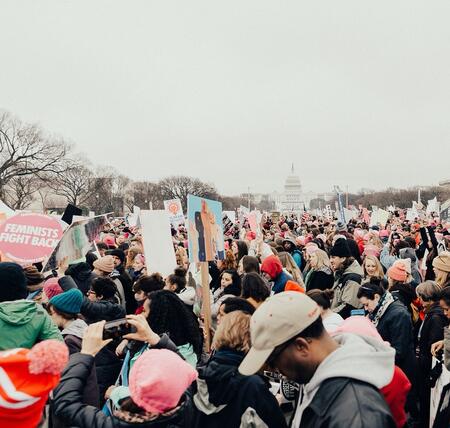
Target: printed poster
[[205, 231]]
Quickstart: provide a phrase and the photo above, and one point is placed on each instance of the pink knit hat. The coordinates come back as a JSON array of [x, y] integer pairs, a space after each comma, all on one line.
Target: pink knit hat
[[384, 233], [109, 241], [400, 270], [159, 379], [105, 264], [371, 250], [311, 247], [359, 325], [52, 288]]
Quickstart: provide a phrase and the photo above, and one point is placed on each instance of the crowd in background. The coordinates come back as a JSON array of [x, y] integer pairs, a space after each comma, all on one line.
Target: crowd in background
[[315, 323]]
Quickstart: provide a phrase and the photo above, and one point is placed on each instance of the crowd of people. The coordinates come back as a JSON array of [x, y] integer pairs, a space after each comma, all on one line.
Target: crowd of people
[[315, 323]]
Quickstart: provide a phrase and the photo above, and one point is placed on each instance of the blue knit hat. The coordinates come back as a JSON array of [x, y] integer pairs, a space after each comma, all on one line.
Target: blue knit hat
[[68, 302]]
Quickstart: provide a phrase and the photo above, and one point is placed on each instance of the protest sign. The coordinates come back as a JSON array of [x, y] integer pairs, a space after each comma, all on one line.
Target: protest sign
[[29, 238], [231, 215], [157, 239], [205, 230], [70, 212], [433, 206], [227, 224], [5, 211], [252, 221], [379, 217], [175, 211], [77, 240]]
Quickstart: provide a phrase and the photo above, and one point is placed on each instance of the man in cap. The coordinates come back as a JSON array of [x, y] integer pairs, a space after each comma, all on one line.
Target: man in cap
[[339, 377]]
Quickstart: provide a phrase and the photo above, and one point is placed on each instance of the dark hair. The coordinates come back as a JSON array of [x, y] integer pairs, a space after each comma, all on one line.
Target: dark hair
[[235, 287], [104, 286], [410, 241], [168, 314], [255, 287], [147, 284], [322, 297], [101, 246], [237, 304], [445, 295], [65, 315], [250, 264], [400, 245], [178, 278], [90, 259], [369, 289], [242, 249], [313, 331]]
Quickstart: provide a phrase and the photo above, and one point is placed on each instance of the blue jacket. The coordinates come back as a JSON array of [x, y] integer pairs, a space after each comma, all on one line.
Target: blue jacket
[[280, 282]]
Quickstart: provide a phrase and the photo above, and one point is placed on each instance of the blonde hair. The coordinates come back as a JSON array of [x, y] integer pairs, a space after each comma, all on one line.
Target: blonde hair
[[379, 272], [233, 332], [322, 260], [442, 277], [288, 262]]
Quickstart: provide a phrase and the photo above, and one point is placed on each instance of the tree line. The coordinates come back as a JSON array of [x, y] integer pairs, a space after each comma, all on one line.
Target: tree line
[[35, 165]]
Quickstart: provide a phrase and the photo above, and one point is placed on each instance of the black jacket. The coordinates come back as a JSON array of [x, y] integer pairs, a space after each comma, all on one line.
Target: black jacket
[[395, 327], [320, 280], [69, 407], [347, 403], [82, 275], [431, 331], [127, 284], [225, 398]]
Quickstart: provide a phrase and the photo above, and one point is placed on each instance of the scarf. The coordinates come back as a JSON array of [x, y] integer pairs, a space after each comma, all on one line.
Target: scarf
[[386, 300]]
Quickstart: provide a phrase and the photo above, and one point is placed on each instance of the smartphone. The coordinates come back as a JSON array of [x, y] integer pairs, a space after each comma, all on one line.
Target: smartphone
[[359, 312], [117, 328]]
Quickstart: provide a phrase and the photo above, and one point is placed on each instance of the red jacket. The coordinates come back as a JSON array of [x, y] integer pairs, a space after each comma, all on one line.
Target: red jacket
[[395, 395]]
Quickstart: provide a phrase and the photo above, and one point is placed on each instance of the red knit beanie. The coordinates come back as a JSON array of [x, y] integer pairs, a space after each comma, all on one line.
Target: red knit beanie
[[398, 272], [26, 378]]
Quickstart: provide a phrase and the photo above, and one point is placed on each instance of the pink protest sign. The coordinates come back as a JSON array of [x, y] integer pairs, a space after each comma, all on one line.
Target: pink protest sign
[[29, 238]]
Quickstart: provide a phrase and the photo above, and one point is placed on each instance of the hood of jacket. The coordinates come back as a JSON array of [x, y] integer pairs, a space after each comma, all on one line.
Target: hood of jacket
[[80, 271], [18, 312], [219, 381], [75, 328], [358, 357], [354, 268]]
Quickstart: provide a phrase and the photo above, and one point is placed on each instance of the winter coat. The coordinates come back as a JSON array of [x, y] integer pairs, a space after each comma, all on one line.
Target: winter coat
[[280, 282], [405, 293], [346, 287], [430, 331], [225, 398], [94, 311], [69, 407], [23, 323], [344, 390], [395, 327], [321, 279], [73, 335], [447, 347], [127, 284], [82, 274], [395, 395]]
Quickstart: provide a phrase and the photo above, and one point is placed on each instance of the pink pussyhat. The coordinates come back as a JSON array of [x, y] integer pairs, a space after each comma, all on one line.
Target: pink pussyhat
[[159, 379], [311, 247], [371, 250], [384, 233], [359, 325]]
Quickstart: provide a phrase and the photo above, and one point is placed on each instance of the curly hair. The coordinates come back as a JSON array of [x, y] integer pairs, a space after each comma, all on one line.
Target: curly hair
[[168, 314], [178, 278]]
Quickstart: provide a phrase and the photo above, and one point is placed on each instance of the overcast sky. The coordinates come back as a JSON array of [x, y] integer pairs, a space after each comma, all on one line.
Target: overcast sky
[[354, 92]]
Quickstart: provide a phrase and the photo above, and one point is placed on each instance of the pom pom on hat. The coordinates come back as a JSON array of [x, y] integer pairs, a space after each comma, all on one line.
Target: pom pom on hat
[[158, 380], [49, 357], [28, 377]]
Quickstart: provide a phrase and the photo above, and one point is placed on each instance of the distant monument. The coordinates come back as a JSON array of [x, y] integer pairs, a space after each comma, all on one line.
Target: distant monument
[[292, 198]]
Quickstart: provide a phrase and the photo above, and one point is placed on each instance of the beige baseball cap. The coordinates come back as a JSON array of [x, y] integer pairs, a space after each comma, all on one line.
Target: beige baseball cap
[[277, 320]]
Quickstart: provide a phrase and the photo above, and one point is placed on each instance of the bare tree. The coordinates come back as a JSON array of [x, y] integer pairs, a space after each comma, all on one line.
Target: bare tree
[[73, 182], [26, 151], [20, 191], [179, 187]]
